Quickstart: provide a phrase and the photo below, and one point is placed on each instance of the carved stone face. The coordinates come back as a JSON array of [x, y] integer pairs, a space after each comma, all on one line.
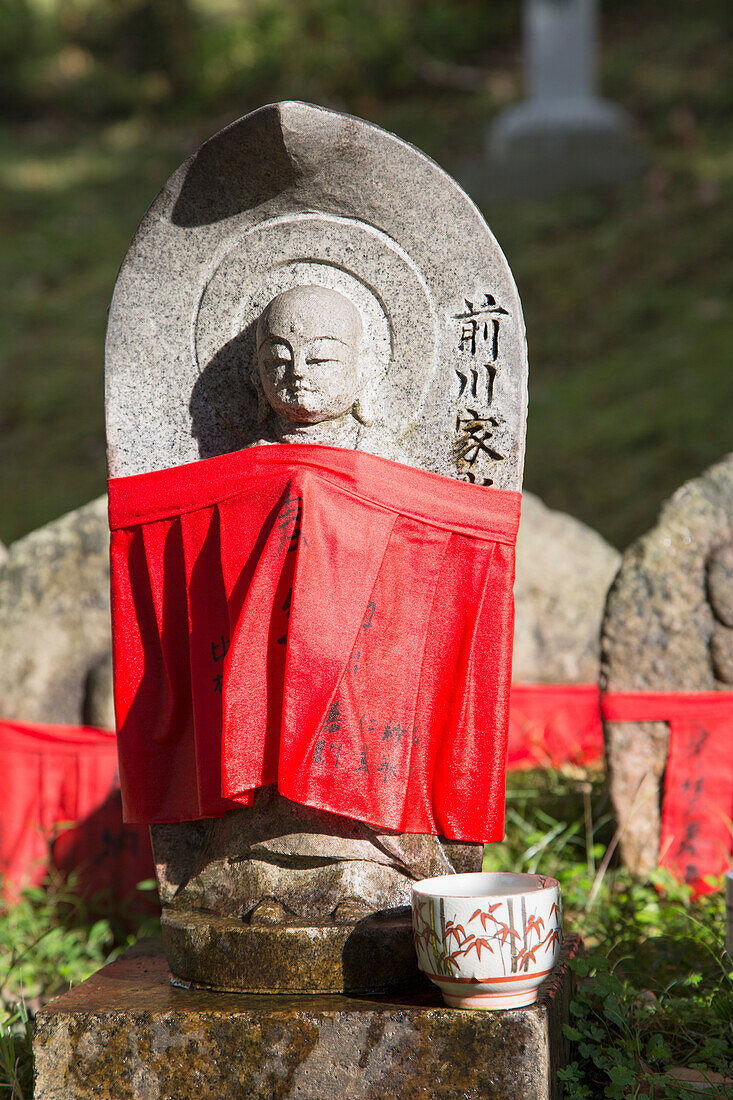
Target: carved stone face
[[308, 354]]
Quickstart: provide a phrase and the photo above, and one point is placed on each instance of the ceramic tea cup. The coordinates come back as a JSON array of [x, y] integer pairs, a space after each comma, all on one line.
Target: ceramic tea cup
[[487, 940]]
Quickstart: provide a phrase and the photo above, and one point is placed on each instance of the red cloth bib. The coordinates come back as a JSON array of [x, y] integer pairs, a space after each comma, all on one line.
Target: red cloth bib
[[332, 622], [554, 724], [61, 807], [697, 810]]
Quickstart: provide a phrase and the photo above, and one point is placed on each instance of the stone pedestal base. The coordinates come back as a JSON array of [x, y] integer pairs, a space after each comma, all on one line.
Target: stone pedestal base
[[372, 956], [128, 1034]]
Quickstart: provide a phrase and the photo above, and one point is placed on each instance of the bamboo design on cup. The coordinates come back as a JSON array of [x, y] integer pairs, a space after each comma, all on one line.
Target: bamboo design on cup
[[447, 941]]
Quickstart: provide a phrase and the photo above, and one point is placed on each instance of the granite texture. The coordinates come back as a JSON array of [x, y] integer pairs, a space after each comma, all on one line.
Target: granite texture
[[283, 854], [293, 228], [667, 628], [55, 656], [127, 1033], [564, 571], [305, 872]]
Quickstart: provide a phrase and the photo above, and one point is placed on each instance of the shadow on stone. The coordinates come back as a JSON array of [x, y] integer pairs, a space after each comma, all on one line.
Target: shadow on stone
[[223, 405], [241, 167], [375, 955], [379, 953]]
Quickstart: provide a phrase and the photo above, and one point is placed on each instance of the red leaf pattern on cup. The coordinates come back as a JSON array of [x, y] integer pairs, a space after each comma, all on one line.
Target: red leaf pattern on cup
[[434, 934]]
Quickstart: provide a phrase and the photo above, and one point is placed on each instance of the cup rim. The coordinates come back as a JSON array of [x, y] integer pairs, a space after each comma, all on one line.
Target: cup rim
[[450, 886]]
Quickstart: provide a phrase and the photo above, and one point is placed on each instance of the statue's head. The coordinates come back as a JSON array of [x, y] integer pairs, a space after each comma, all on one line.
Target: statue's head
[[309, 342]]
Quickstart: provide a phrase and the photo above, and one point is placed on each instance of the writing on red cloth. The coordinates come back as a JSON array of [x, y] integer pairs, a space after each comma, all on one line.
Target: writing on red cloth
[[62, 808], [697, 807], [322, 619]]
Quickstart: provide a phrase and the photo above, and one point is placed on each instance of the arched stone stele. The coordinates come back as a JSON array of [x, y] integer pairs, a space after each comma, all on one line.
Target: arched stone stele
[[294, 196]]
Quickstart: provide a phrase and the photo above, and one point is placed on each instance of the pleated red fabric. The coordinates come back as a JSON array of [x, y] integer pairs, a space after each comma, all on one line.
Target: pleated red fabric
[[325, 620]]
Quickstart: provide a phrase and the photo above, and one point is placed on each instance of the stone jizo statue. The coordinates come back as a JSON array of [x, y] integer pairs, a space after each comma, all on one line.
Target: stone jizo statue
[[307, 278]]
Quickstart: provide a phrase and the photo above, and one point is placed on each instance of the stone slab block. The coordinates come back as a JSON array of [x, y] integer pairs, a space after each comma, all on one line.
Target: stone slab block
[[128, 1033]]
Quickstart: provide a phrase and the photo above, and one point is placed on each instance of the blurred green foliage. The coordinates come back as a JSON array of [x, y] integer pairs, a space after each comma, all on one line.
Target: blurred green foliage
[[104, 58], [626, 291], [52, 938]]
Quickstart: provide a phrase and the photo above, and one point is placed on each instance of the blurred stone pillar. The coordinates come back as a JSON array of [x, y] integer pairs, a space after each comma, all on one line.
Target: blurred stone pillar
[[560, 49], [563, 134]]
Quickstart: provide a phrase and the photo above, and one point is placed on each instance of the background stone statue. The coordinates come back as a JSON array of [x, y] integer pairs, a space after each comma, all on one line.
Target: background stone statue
[[55, 659], [564, 570], [308, 277], [668, 627]]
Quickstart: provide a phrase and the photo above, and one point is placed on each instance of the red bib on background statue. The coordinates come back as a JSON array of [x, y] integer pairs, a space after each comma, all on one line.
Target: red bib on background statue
[[321, 619]]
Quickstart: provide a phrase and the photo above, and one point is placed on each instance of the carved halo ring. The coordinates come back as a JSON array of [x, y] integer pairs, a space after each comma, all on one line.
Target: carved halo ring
[[342, 254]]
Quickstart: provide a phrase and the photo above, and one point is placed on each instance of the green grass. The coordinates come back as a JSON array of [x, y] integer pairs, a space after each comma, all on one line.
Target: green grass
[[69, 209], [627, 301], [655, 989], [52, 939]]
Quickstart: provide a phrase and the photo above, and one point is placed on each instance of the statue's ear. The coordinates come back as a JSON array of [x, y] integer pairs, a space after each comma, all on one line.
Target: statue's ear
[[362, 411]]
